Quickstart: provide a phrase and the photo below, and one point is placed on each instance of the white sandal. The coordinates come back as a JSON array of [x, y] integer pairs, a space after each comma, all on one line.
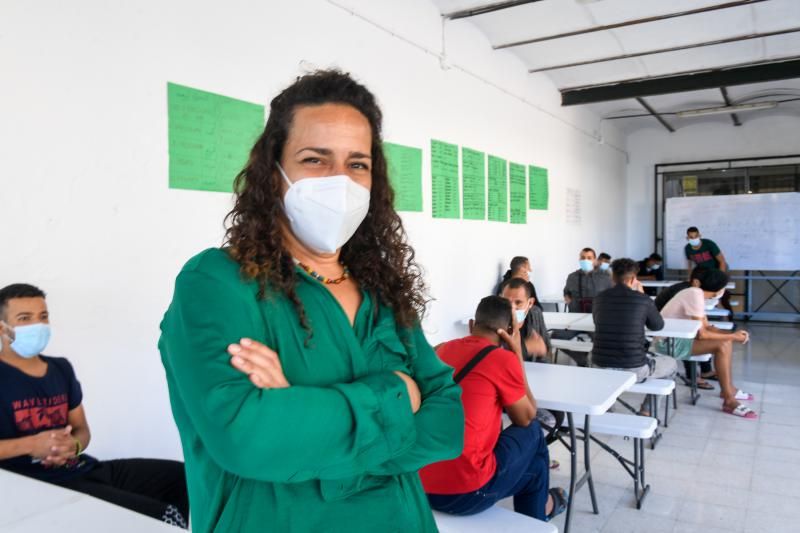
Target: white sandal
[[742, 395], [742, 411]]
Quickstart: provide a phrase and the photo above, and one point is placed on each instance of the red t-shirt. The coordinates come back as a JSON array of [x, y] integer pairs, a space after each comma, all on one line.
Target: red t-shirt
[[494, 383]]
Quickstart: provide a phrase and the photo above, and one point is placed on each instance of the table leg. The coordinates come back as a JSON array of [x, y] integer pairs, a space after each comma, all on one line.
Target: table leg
[[587, 463], [573, 462]]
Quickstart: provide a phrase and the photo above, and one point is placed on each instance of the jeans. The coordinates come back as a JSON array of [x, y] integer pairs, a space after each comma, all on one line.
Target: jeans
[[523, 471]]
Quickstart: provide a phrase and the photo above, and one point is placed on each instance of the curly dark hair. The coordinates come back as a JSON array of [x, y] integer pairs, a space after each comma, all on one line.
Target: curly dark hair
[[378, 255]]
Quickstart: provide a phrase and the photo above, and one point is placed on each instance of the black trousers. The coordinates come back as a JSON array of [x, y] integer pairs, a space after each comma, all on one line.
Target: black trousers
[[705, 367], [153, 487]]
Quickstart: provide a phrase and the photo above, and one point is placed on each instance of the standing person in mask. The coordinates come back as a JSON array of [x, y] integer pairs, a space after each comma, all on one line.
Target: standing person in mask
[[298, 372], [585, 283], [43, 426], [705, 253], [604, 263]]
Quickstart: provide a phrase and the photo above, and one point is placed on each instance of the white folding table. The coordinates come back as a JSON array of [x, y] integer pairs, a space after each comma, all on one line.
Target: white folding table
[[581, 391], [554, 320], [31, 505], [669, 282], [676, 328], [557, 301]]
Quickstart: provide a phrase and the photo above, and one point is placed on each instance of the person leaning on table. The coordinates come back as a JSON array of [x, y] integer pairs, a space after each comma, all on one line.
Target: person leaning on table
[[303, 388]]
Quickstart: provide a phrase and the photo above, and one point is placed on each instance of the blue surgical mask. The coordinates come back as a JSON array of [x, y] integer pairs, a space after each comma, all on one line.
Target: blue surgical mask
[[694, 242], [30, 340], [586, 265], [655, 267], [520, 315], [604, 266]]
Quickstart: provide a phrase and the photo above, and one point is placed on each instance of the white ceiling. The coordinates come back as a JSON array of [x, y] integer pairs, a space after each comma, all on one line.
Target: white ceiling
[[550, 17]]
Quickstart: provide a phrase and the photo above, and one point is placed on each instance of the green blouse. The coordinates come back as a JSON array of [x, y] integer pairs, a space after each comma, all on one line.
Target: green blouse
[[339, 449]]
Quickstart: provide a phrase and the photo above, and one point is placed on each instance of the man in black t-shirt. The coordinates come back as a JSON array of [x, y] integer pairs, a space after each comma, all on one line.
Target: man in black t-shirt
[[43, 427]]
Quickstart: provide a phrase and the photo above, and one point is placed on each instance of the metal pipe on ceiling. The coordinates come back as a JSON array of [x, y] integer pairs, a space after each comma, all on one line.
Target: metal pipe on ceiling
[[724, 76], [626, 23], [488, 8], [727, 40], [727, 100], [657, 116]]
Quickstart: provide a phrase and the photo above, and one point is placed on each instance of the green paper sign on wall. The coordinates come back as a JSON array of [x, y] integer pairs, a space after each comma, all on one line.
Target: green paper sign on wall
[[210, 137]]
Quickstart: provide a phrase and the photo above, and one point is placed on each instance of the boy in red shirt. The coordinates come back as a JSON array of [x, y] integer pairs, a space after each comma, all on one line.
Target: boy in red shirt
[[494, 464]]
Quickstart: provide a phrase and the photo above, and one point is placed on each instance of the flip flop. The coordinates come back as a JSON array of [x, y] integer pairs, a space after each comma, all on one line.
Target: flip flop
[[742, 411], [705, 385], [742, 396], [559, 502], [554, 464], [712, 377]]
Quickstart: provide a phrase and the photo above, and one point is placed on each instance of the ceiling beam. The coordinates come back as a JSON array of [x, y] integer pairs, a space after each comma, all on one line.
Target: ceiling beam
[[488, 8], [685, 81], [727, 100], [656, 115], [665, 50], [626, 23]]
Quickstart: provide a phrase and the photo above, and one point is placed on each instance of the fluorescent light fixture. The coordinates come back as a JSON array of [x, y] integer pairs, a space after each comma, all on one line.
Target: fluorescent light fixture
[[739, 108]]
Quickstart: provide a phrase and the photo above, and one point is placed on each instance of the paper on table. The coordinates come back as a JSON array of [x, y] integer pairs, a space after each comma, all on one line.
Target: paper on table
[[210, 137], [498, 189], [518, 189], [405, 175], [444, 180], [473, 164]]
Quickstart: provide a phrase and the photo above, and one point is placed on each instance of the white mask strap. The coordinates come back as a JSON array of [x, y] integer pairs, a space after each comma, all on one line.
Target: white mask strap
[[288, 181]]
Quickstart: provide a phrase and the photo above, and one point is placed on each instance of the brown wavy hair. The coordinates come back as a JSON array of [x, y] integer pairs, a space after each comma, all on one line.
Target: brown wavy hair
[[378, 255]]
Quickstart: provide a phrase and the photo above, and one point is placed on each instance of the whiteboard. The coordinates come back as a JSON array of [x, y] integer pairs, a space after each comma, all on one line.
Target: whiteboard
[[754, 231]]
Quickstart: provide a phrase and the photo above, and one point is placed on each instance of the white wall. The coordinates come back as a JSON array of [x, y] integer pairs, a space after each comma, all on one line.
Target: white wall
[[766, 134], [87, 214]]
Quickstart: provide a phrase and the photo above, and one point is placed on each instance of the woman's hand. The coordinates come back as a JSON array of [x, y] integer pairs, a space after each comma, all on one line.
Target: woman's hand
[[261, 364], [413, 391]]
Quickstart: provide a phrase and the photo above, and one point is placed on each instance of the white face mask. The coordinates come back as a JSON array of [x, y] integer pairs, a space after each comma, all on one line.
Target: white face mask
[[694, 242], [520, 315], [325, 212]]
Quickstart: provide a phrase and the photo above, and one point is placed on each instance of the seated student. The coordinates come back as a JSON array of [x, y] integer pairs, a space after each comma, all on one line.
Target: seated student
[[520, 268], [43, 427], [534, 342], [620, 316], [650, 268], [585, 283], [604, 263], [706, 369], [494, 464], [690, 304], [535, 339]]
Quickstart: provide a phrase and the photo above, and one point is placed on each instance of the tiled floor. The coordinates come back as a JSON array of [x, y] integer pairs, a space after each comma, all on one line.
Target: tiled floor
[[711, 472]]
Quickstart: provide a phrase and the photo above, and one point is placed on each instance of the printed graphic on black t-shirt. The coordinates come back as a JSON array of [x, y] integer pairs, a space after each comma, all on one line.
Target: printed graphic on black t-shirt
[[30, 405]]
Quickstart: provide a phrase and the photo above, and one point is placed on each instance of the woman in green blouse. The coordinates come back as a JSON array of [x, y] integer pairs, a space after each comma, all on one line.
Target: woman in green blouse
[[303, 388]]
